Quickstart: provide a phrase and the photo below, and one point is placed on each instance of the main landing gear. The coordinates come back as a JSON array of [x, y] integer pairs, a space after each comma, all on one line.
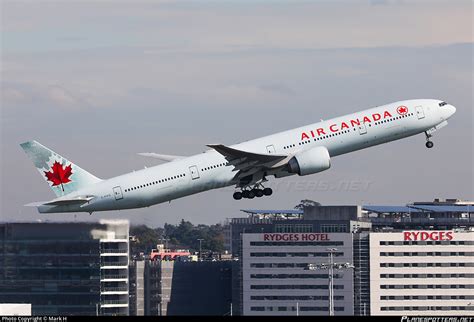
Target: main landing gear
[[429, 144], [252, 193]]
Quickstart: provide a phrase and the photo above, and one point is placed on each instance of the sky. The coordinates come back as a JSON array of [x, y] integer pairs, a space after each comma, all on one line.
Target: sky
[[99, 82]]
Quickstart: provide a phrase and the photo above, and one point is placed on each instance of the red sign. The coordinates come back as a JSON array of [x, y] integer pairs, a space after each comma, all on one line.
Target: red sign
[[295, 237], [427, 235], [347, 124], [402, 110]]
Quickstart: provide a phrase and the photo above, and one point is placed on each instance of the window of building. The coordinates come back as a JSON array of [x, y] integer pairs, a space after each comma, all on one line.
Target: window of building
[[334, 228], [296, 228]]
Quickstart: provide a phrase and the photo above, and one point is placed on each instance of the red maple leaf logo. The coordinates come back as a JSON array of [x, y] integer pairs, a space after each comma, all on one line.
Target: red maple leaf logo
[[402, 110], [59, 175]]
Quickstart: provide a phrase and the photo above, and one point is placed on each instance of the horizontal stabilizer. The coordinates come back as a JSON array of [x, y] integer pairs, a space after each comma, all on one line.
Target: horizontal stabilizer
[[79, 200], [162, 157], [70, 201]]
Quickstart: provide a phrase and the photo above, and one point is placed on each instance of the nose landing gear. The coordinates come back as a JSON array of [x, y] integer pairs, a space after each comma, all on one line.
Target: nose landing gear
[[429, 144]]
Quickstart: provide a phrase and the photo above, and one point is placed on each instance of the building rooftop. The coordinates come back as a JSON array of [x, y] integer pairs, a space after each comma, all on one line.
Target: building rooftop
[[420, 208], [409, 208], [274, 212]]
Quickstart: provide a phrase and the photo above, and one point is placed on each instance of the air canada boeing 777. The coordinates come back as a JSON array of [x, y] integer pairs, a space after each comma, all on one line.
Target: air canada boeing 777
[[303, 151]]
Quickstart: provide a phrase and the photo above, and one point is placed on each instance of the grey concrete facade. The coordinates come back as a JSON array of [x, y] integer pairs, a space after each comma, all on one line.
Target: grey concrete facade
[[275, 281], [422, 273], [188, 288]]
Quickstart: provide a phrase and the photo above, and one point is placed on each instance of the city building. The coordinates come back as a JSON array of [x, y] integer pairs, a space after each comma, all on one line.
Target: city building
[[276, 279], [326, 219], [422, 272], [340, 222], [356, 227], [415, 259], [361, 261], [136, 287], [188, 287], [65, 268], [174, 282], [154, 286], [421, 215]]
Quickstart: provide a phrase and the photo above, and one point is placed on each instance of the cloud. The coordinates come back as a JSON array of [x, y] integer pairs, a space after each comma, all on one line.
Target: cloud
[[234, 26], [278, 88], [25, 95], [385, 2], [71, 38], [61, 97], [253, 93], [12, 95]]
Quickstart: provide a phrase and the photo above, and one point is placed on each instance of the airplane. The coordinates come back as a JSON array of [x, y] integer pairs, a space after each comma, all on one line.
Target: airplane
[[302, 151]]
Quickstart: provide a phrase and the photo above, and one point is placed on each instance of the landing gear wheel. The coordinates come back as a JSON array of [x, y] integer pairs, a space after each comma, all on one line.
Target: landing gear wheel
[[251, 194], [429, 144], [245, 194], [258, 192], [237, 195], [267, 191]]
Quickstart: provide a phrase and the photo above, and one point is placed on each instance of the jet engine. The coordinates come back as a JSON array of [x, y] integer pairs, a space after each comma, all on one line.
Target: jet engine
[[310, 161]]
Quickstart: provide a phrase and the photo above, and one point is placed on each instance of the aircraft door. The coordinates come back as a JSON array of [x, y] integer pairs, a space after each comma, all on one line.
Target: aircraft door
[[419, 112], [118, 193], [271, 149], [362, 129], [194, 172]]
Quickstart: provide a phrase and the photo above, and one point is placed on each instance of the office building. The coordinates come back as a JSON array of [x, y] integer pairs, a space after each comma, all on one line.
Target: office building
[[361, 224], [276, 280], [340, 222], [137, 287], [65, 268], [188, 287], [422, 272]]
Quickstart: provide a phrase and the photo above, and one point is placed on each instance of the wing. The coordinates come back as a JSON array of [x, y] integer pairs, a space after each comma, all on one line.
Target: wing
[[248, 163], [163, 157]]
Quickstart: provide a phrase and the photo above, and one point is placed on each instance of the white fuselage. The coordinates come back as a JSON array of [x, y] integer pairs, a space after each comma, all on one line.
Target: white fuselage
[[210, 170]]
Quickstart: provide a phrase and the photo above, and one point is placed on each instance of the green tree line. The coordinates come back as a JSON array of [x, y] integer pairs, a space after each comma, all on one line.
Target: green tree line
[[185, 235]]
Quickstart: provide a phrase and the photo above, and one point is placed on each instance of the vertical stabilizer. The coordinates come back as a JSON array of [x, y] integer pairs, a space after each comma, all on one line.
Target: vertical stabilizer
[[62, 175]]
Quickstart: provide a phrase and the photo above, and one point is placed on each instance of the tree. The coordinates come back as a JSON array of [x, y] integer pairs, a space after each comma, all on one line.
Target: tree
[[147, 237], [307, 203], [184, 236]]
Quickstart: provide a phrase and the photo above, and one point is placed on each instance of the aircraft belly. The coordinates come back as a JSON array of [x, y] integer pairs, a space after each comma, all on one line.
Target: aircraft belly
[[186, 188]]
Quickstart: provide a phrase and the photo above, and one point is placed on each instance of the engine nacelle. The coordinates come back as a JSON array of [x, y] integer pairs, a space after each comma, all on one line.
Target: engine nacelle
[[310, 161]]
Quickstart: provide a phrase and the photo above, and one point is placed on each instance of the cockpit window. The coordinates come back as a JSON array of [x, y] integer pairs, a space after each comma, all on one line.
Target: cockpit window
[[443, 104]]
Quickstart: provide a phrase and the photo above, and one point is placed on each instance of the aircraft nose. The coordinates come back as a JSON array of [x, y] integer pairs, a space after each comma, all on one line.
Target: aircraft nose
[[451, 110]]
